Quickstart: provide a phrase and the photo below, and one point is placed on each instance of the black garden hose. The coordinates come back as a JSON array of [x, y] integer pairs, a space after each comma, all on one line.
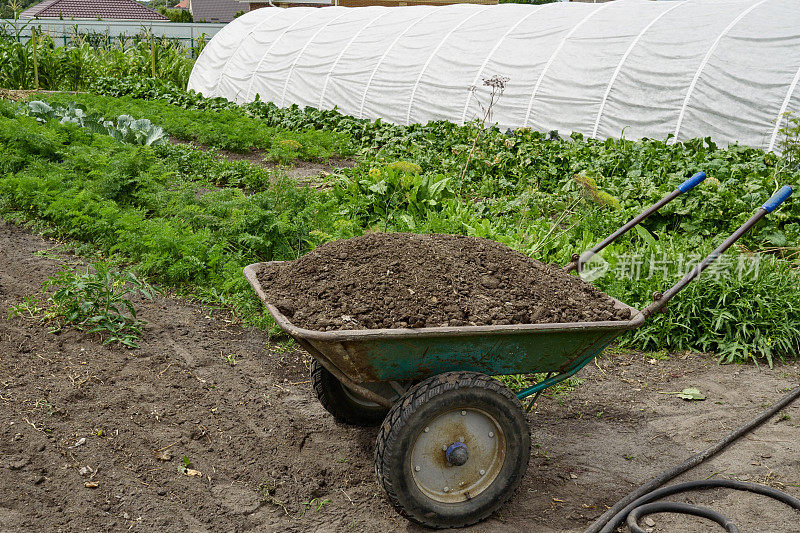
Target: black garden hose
[[642, 506], [677, 507], [627, 506]]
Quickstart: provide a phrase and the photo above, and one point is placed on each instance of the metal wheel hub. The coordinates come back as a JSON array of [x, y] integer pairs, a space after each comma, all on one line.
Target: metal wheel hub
[[458, 455]]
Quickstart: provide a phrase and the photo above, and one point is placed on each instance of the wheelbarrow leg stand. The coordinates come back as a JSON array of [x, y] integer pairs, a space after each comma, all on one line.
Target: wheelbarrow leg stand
[[551, 380], [349, 383]]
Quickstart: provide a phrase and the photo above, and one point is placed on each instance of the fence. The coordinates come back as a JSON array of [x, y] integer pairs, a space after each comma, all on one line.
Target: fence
[[63, 31]]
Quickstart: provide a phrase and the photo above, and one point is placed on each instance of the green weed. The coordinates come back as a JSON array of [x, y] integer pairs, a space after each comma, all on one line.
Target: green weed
[[725, 319], [518, 382], [98, 300], [285, 346], [314, 505], [658, 355], [30, 307], [515, 382], [45, 406], [790, 139]]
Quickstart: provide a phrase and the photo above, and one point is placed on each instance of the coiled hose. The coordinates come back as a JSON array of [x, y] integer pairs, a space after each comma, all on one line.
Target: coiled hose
[[641, 502]]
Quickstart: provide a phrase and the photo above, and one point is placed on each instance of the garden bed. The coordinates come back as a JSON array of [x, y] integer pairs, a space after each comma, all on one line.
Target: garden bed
[[298, 169], [188, 216]]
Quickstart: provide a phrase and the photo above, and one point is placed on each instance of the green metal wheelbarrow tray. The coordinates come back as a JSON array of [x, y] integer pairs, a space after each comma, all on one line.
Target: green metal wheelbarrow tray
[[357, 357], [369, 376]]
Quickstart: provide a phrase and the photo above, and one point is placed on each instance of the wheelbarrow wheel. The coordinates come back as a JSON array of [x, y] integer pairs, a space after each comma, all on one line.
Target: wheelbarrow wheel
[[345, 405], [453, 449]]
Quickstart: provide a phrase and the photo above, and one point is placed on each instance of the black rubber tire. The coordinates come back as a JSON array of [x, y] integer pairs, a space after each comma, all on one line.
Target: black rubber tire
[[409, 416], [331, 394]]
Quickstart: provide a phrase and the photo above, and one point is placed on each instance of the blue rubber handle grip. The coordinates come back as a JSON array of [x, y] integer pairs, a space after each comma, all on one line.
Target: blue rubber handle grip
[[777, 199], [692, 182]]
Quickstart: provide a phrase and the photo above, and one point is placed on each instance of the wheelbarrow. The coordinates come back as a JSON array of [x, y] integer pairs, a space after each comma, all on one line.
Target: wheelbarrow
[[454, 443]]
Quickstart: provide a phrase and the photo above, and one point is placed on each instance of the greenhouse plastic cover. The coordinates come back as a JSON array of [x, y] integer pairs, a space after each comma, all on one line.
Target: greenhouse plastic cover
[[728, 69]]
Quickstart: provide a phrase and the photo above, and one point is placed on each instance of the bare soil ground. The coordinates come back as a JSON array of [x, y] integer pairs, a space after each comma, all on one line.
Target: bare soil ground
[[266, 449], [18, 95]]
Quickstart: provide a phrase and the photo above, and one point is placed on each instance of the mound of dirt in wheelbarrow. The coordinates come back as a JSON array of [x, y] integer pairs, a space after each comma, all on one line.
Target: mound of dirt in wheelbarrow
[[402, 280]]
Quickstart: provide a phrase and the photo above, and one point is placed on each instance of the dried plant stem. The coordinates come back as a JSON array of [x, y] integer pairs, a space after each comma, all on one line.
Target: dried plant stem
[[498, 85]]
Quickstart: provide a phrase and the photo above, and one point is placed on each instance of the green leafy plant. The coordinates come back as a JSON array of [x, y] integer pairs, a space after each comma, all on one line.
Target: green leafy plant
[[314, 505], [515, 382], [86, 57], [194, 220], [176, 15], [45, 406], [518, 382], [790, 139], [691, 393], [130, 130], [225, 129], [126, 128], [590, 189], [98, 300], [740, 318], [392, 192], [285, 151], [29, 307], [185, 467]]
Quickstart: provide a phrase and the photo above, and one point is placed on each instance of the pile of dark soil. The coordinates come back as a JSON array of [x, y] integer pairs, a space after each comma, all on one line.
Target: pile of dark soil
[[401, 280]]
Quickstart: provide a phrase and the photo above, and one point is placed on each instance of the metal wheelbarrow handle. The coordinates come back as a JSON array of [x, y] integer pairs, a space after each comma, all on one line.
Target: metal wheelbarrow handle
[[660, 301], [579, 260]]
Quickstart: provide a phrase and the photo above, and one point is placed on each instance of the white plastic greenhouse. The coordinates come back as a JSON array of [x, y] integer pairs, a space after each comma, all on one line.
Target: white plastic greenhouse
[[721, 68]]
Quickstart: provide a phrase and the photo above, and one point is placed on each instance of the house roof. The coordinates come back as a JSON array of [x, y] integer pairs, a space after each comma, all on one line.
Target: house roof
[[215, 10], [34, 9], [183, 4], [92, 9]]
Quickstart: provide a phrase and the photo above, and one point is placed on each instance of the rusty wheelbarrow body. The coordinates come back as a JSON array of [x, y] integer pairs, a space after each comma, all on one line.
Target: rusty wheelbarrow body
[[454, 444]]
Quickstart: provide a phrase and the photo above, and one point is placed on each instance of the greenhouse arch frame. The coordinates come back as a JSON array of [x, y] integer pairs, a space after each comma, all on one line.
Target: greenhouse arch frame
[[726, 69]]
